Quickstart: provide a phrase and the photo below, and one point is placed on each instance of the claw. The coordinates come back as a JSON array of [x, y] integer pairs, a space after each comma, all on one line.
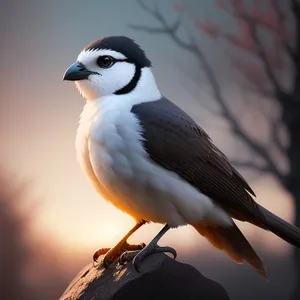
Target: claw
[[139, 251], [134, 247], [152, 247], [127, 256], [131, 253], [106, 262], [135, 264], [111, 254], [151, 250], [168, 250], [138, 255], [98, 253]]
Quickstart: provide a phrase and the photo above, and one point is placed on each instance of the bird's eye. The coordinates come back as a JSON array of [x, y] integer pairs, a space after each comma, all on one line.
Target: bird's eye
[[105, 61]]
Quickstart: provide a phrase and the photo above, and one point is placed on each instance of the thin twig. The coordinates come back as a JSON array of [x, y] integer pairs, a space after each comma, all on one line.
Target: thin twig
[[261, 54], [281, 18], [193, 48]]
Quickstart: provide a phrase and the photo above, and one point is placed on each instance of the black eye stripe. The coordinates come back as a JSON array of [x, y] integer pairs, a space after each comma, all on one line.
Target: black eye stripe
[[118, 59], [107, 61]]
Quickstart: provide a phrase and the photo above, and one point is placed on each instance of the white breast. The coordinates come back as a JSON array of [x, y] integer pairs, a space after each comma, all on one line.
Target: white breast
[[110, 150]]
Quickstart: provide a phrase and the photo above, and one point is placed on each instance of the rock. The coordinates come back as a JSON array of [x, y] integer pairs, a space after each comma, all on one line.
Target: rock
[[161, 278]]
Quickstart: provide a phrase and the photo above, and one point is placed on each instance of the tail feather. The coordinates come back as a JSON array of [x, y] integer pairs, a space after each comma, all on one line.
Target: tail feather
[[281, 228], [233, 243]]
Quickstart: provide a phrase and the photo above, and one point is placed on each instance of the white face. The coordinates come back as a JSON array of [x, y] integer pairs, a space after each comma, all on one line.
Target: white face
[[110, 79]]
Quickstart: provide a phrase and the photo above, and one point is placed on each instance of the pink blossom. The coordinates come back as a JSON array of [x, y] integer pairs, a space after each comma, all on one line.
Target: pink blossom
[[209, 28], [239, 41]]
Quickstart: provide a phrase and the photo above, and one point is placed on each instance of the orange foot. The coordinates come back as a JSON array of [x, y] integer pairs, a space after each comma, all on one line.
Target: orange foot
[[112, 254]]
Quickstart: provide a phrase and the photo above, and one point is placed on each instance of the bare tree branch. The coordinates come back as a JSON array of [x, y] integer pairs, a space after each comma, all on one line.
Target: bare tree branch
[[258, 90], [281, 18], [259, 49], [261, 54], [166, 29], [275, 136], [193, 48], [295, 6]]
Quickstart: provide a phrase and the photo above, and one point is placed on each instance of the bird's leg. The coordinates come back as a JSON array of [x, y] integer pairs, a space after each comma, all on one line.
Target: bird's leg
[[112, 253], [139, 255]]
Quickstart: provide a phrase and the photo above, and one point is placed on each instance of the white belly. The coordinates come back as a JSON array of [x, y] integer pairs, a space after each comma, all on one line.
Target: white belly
[[110, 150]]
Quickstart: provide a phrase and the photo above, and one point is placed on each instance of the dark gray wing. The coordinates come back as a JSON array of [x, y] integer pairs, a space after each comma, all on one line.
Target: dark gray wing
[[174, 141]]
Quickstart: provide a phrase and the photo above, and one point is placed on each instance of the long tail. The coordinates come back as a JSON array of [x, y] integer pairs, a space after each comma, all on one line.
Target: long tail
[[281, 228], [233, 243]]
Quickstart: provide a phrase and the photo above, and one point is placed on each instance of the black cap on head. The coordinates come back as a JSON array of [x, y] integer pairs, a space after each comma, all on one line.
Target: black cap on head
[[123, 45]]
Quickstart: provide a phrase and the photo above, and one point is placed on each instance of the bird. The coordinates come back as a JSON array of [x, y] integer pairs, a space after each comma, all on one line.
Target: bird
[[150, 159]]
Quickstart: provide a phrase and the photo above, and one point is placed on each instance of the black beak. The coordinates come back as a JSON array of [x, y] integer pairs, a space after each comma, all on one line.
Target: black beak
[[77, 71]]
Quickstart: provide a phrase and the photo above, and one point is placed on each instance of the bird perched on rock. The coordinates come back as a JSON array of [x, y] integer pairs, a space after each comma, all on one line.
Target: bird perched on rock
[[147, 157]]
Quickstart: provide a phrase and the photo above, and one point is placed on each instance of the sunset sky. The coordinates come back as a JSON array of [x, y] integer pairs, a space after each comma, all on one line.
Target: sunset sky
[[39, 115]]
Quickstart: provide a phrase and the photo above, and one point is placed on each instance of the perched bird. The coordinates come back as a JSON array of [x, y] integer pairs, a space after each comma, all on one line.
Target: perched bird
[[147, 157]]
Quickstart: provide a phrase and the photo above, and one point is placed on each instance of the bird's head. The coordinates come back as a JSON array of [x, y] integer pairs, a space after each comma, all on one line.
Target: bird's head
[[109, 66]]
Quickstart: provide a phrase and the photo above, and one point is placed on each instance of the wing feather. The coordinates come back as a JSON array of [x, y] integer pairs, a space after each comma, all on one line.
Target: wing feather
[[176, 142]]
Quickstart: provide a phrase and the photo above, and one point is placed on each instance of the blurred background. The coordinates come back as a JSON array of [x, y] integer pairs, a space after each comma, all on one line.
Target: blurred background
[[234, 66]]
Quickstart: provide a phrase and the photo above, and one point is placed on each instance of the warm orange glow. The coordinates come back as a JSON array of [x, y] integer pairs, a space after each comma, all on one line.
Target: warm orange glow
[[102, 225], [73, 213]]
